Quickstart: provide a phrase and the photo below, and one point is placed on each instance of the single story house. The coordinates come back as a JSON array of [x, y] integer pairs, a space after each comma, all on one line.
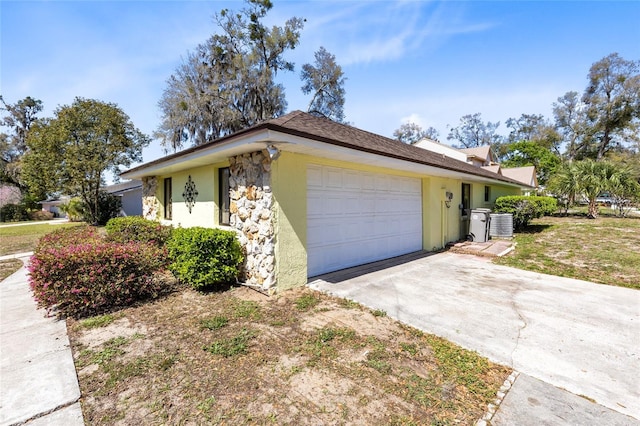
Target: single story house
[[53, 205], [130, 193], [308, 196]]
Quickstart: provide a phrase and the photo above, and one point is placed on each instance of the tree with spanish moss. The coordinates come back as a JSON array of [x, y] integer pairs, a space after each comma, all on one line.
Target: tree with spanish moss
[[18, 120], [325, 81], [229, 82], [612, 106]]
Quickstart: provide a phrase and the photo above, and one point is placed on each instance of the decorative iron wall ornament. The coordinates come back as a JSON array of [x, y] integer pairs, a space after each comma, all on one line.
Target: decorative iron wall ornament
[[190, 194]]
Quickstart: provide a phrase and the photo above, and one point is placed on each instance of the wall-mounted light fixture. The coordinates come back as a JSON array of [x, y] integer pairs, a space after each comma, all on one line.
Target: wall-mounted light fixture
[[273, 151], [449, 197]]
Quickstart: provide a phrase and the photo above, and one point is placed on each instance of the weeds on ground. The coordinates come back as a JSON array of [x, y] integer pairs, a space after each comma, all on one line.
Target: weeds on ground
[[234, 358]]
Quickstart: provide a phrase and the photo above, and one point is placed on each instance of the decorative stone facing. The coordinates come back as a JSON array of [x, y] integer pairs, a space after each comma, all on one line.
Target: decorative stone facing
[[150, 205], [251, 202]]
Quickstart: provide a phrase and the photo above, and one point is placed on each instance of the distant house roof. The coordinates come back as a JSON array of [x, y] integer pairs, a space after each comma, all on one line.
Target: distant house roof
[[483, 152], [122, 187], [304, 125], [526, 175], [441, 148], [495, 168]]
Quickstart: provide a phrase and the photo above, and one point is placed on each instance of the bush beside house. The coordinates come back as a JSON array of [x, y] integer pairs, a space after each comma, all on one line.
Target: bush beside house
[[136, 228], [76, 272], [526, 208], [205, 258], [80, 272]]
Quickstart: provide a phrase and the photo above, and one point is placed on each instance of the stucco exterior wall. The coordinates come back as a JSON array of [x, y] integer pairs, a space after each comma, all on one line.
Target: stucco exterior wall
[[289, 186], [202, 211], [273, 225]]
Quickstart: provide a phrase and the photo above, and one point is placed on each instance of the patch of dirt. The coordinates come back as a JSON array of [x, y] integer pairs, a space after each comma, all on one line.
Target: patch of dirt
[[240, 357], [122, 327]]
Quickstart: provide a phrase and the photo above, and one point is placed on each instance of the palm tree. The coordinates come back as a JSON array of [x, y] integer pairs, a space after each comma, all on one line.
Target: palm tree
[[565, 184], [593, 178], [590, 178]]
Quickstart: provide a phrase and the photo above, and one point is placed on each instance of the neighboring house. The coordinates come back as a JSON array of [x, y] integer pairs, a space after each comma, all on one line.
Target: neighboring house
[[130, 193], [309, 196], [482, 156], [53, 205], [526, 175], [479, 156]]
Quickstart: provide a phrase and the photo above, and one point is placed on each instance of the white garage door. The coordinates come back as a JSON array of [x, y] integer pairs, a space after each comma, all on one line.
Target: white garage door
[[356, 217]]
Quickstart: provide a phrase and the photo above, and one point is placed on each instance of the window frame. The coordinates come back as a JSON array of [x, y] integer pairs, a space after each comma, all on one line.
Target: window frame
[[168, 198], [466, 199], [224, 199]]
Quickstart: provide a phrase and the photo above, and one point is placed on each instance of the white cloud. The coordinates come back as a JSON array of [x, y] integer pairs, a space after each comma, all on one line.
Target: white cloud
[[413, 118]]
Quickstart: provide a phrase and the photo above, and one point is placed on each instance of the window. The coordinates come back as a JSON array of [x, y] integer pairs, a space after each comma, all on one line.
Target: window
[[223, 191], [167, 199], [466, 199], [487, 194]]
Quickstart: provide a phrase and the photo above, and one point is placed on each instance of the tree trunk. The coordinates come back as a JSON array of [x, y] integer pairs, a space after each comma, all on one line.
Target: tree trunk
[[593, 209]]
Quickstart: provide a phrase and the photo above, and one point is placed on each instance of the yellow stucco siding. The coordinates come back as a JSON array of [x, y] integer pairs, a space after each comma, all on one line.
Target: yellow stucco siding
[[440, 224], [205, 211], [289, 188]]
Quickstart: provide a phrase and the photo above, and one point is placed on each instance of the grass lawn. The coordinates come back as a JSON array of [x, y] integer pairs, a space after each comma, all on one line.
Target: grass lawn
[[21, 239], [239, 357], [604, 250]]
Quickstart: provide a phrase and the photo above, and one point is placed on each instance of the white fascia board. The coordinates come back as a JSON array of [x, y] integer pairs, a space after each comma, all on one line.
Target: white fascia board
[[202, 157], [296, 144]]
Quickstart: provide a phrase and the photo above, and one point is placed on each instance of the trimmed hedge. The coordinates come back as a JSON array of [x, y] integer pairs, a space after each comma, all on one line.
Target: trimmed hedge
[[76, 273], [205, 258], [137, 228], [525, 208], [14, 213]]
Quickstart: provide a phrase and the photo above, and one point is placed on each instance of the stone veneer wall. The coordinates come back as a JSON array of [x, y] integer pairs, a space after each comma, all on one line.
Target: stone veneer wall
[[252, 216], [150, 204]]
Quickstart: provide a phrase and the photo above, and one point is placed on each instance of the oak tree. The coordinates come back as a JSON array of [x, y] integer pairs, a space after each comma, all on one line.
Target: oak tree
[[71, 152], [229, 82]]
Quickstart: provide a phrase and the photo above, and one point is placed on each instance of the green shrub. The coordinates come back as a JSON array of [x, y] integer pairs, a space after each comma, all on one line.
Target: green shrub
[[73, 209], [137, 228], [204, 257], [14, 213], [525, 208]]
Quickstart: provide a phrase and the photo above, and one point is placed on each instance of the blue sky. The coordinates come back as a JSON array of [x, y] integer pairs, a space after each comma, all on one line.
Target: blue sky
[[428, 62]]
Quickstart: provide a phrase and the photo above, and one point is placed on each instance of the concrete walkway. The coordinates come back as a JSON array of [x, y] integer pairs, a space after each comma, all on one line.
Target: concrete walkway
[[38, 382], [573, 341]]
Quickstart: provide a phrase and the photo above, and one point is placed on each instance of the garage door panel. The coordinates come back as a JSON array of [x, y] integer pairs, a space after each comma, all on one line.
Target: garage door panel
[[356, 217], [314, 176]]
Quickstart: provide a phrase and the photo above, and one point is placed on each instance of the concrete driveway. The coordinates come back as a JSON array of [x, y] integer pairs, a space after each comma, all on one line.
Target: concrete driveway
[[575, 335]]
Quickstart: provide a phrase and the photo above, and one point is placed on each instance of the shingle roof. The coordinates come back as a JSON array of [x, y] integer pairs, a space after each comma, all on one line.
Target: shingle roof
[[298, 123], [483, 151], [526, 174], [306, 125]]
